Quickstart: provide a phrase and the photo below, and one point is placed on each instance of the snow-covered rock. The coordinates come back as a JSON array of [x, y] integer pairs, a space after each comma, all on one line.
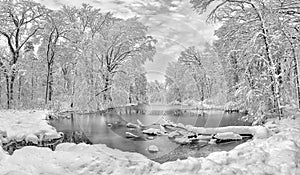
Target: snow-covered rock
[[51, 135], [203, 137], [153, 148], [20, 137], [150, 138], [228, 136], [32, 138]]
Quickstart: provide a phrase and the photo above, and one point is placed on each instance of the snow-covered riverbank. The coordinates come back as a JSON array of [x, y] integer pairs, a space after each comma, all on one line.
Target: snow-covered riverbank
[[21, 128], [19, 124], [278, 154]]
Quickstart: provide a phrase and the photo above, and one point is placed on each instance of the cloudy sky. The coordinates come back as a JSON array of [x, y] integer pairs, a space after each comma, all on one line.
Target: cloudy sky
[[172, 22]]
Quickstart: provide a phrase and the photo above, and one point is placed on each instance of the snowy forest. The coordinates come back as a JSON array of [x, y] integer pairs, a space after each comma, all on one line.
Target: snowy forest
[[77, 95], [82, 58]]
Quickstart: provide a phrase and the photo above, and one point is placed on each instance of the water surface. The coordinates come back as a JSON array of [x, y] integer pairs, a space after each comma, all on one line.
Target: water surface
[[110, 129]]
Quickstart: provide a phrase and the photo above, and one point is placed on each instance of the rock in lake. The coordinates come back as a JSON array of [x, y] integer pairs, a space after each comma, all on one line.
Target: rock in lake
[[150, 138], [153, 148]]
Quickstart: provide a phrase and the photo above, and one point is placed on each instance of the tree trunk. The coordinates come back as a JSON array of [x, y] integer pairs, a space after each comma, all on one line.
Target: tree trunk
[[50, 84], [197, 85], [130, 94], [11, 88], [106, 92], [297, 75], [32, 82], [20, 89], [7, 92], [202, 91], [47, 84]]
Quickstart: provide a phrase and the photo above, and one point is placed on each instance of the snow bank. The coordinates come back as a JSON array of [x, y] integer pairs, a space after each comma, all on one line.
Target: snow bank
[[18, 125], [71, 159]]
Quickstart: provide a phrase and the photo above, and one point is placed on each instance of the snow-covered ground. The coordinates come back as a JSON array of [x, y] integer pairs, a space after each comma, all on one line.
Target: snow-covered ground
[[71, 159], [277, 154]]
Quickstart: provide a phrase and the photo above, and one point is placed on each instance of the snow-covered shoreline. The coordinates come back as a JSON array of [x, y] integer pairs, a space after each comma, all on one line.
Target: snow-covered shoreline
[[278, 154], [22, 128], [19, 124]]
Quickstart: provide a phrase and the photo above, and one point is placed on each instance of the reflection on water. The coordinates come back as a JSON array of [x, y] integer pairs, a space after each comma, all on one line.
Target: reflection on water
[[110, 129]]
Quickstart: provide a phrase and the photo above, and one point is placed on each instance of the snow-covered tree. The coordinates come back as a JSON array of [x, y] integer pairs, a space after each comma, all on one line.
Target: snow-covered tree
[[252, 49], [20, 21]]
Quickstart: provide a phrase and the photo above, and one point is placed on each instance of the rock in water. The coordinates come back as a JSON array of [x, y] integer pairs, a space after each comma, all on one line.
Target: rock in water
[[153, 148], [150, 138]]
